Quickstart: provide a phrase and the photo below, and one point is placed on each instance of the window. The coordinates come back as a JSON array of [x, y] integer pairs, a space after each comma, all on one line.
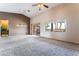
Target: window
[[48, 26], [59, 26]]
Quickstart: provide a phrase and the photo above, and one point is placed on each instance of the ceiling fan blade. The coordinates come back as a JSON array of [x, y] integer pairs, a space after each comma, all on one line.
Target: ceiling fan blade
[[45, 6]]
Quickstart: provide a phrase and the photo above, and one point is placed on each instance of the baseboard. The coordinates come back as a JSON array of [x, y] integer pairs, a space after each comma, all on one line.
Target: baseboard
[[60, 40]]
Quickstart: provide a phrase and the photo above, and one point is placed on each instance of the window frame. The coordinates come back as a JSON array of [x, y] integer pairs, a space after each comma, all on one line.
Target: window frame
[[56, 29]]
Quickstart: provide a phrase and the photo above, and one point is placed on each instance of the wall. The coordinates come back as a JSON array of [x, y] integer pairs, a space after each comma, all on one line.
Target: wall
[[68, 12], [15, 19]]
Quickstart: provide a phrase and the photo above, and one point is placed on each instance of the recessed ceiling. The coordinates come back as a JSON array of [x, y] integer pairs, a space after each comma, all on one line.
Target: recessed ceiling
[[23, 8]]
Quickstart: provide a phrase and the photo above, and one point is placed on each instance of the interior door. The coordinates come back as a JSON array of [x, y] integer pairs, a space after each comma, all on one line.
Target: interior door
[[36, 29]]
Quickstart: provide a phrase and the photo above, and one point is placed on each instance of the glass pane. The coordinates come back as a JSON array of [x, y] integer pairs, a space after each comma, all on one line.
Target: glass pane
[[54, 26], [62, 25], [49, 26], [58, 27]]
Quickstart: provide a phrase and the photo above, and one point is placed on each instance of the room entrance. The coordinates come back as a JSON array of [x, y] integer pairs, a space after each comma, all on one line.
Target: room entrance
[[35, 29], [4, 28]]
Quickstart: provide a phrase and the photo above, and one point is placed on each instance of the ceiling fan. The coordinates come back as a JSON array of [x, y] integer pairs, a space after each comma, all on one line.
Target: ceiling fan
[[40, 5]]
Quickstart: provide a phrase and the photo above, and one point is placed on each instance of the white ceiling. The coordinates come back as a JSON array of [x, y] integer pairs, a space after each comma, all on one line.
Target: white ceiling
[[22, 8]]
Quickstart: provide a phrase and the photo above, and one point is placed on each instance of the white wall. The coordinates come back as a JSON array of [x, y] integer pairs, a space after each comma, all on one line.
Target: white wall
[[68, 12]]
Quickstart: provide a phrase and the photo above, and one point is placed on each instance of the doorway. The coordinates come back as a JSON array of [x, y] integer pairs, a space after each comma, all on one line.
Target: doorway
[[36, 29], [4, 27]]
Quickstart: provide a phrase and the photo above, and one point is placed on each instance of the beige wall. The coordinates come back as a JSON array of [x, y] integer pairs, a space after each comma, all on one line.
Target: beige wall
[[68, 12], [15, 19]]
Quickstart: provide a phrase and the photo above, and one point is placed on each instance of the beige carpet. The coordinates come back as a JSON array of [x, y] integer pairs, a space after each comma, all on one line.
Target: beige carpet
[[35, 46]]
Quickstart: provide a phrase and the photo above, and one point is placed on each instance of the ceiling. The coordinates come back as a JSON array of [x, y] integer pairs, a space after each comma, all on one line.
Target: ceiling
[[22, 8]]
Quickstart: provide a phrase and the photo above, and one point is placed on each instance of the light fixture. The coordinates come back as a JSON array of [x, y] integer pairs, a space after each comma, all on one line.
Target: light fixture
[[40, 5]]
